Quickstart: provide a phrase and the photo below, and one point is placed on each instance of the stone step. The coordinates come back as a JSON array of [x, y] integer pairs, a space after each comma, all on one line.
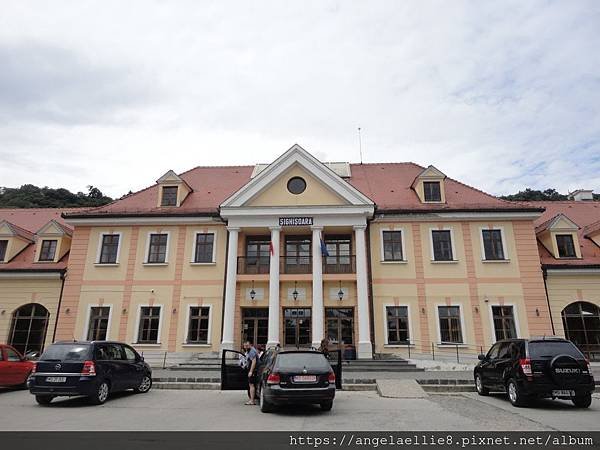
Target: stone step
[[217, 386]]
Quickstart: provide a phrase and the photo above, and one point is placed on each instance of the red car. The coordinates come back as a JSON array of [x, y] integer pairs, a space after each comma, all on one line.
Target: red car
[[14, 368]]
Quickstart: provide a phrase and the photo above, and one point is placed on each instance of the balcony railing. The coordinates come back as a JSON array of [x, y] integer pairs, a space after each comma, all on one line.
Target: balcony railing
[[253, 265], [295, 264], [339, 264]]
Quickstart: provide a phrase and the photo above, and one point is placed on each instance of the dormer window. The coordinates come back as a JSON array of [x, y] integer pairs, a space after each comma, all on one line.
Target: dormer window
[[432, 191], [566, 246], [3, 247], [48, 250], [169, 196]]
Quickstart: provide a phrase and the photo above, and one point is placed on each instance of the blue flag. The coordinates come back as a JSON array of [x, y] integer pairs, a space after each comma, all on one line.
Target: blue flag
[[324, 251]]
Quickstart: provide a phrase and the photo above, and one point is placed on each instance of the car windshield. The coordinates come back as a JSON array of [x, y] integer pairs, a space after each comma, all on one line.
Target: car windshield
[[299, 361], [66, 352], [547, 349]]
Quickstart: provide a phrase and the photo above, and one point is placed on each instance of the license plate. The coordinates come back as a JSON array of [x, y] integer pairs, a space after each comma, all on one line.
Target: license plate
[[56, 379], [563, 393], [305, 378]]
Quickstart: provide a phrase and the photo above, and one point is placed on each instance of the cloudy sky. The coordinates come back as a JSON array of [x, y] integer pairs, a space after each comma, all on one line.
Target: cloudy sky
[[499, 94]]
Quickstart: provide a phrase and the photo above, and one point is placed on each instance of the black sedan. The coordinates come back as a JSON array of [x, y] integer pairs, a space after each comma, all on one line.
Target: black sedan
[[91, 369], [288, 377]]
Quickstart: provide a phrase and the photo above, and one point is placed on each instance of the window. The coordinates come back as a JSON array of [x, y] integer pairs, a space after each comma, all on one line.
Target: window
[[204, 248], [149, 325], [566, 247], [157, 252], [339, 251], [130, 355], [397, 324], [432, 191], [258, 255], [504, 322], [296, 185], [392, 246], [450, 327], [492, 245], [169, 196], [98, 324], [12, 356], [3, 246], [298, 254], [109, 249], [109, 352], [198, 325], [442, 245], [48, 250]]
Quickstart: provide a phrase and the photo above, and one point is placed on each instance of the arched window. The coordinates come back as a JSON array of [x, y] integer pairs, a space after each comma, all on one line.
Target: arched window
[[28, 329], [581, 321]]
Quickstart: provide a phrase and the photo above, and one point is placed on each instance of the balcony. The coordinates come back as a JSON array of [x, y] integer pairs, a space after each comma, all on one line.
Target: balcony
[[295, 264], [253, 265], [339, 264]]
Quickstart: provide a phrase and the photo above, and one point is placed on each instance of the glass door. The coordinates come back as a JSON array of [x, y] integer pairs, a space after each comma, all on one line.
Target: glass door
[[255, 325], [297, 254], [258, 254], [340, 326], [297, 329]]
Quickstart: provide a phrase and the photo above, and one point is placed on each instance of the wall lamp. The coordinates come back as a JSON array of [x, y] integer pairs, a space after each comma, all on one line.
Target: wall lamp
[[252, 292], [341, 293], [295, 293]]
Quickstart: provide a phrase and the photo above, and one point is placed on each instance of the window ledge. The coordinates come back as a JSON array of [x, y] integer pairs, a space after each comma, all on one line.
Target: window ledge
[[411, 345], [197, 345], [404, 261], [148, 264], [435, 261], [106, 264], [449, 345], [492, 261], [147, 345], [203, 263]]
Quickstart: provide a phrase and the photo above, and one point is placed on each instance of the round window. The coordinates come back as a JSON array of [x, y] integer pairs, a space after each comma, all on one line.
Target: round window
[[296, 185]]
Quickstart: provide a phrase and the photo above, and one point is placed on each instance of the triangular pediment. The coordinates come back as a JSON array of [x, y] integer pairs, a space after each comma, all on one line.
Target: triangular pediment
[[8, 229], [170, 177], [53, 228], [323, 185], [430, 173], [562, 222]]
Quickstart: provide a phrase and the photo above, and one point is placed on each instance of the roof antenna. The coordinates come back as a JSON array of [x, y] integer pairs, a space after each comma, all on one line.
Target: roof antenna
[[360, 145]]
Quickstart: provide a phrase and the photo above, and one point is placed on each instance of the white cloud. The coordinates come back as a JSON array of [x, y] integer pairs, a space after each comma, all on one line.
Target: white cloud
[[501, 95]]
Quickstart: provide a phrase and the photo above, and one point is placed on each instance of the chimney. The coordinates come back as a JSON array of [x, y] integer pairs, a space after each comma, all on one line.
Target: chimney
[[582, 195]]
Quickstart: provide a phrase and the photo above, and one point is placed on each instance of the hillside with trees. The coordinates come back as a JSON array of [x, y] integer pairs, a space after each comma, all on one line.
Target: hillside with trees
[[531, 195], [30, 196]]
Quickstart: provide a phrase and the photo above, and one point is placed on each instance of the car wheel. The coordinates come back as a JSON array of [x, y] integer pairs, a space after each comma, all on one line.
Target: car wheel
[[101, 394], [515, 395], [481, 389], [44, 400], [326, 406], [265, 406], [583, 401], [144, 386]]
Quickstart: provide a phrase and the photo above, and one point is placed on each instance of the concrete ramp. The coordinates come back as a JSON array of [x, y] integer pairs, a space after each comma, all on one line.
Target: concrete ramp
[[400, 389]]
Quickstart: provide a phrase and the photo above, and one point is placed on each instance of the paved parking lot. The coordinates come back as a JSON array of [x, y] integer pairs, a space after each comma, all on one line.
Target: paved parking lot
[[215, 410]]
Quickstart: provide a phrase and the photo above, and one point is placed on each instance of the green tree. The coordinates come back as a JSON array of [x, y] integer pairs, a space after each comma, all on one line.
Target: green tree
[[31, 196]]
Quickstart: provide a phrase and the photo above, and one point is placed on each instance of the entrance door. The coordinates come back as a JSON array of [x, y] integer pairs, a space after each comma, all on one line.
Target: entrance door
[[255, 325], [340, 326], [297, 330]]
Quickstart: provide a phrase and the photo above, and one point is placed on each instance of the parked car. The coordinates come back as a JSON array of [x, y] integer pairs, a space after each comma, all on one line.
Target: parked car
[[14, 367], [287, 377], [527, 369], [92, 369]]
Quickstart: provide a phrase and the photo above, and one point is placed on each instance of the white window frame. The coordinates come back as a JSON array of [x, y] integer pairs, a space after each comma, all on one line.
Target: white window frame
[[452, 245], [214, 253], [146, 257], [99, 250], [187, 326], [137, 325], [385, 326], [462, 325], [439, 182], [502, 236], [86, 325], [382, 247], [515, 318], [56, 249]]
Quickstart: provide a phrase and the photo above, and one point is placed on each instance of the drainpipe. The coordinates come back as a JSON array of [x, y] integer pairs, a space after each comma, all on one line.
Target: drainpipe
[[224, 281], [370, 287], [545, 276], [60, 296]]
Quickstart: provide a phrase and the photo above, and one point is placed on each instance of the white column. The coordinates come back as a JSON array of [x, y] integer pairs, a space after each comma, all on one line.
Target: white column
[[274, 313], [318, 312], [362, 293], [230, 288]]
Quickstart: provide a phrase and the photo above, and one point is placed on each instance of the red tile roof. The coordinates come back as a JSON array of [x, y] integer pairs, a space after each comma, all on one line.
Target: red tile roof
[[586, 214], [387, 184], [29, 221]]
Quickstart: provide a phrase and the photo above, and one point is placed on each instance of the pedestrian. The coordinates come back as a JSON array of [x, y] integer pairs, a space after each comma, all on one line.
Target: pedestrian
[[324, 347], [251, 356]]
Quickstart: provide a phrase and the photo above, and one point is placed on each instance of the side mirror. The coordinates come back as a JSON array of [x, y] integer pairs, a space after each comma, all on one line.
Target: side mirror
[[481, 357]]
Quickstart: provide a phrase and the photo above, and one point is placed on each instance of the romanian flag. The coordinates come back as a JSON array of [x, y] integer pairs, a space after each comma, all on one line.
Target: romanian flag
[[271, 249]]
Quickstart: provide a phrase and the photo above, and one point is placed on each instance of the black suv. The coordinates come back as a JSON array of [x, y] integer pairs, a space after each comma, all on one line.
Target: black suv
[[92, 369], [536, 368]]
